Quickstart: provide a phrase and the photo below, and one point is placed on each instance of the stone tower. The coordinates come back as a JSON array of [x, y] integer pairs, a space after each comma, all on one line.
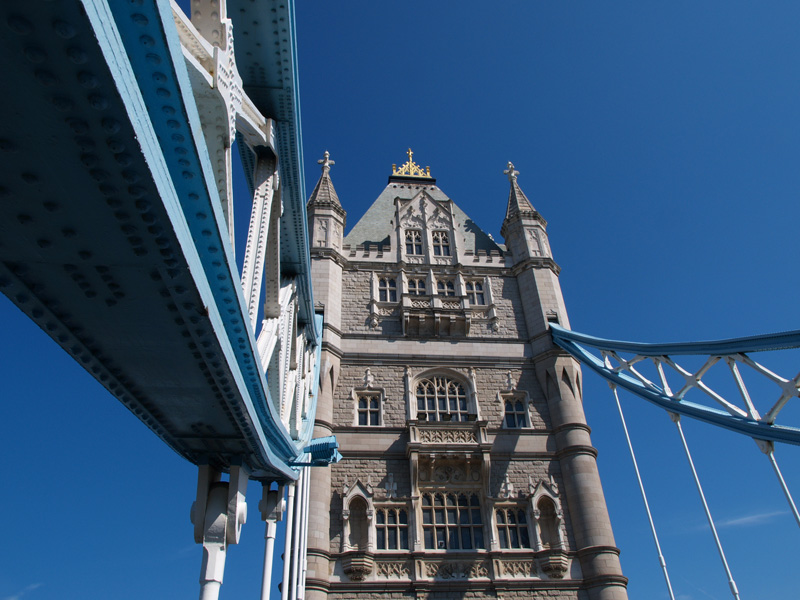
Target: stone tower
[[468, 471]]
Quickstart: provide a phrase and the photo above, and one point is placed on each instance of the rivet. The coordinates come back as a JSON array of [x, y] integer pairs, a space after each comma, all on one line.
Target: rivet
[[187, 175], [147, 41], [140, 19], [77, 55], [115, 145], [43, 243], [51, 206], [163, 93], [29, 178], [130, 176], [153, 58], [110, 125], [68, 232], [98, 101], [123, 159], [64, 29], [159, 77], [7, 145], [88, 80]]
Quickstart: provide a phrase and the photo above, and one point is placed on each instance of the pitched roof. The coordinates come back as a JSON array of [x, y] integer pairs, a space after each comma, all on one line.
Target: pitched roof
[[376, 225]]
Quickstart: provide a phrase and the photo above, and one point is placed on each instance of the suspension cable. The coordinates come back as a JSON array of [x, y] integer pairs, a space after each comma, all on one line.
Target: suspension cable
[[770, 452], [676, 418], [661, 560]]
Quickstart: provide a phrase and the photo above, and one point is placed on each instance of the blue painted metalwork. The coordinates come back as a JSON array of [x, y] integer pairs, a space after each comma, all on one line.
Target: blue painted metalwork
[[574, 343]]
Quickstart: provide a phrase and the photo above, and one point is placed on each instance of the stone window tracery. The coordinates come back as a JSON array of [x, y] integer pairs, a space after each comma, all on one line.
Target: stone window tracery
[[441, 243], [475, 293], [416, 287], [441, 399], [446, 287], [391, 529], [452, 521], [387, 289], [516, 413], [369, 408], [512, 528], [414, 242]]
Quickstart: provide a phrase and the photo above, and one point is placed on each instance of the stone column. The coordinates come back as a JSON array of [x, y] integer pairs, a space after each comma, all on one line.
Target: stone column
[[582, 494]]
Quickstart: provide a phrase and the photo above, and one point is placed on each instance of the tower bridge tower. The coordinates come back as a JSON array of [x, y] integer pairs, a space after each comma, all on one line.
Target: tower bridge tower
[[468, 470]]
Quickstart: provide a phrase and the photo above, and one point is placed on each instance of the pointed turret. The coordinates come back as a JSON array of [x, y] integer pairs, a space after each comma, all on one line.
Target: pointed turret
[[324, 193], [525, 233], [326, 217], [524, 229], [518, 203]]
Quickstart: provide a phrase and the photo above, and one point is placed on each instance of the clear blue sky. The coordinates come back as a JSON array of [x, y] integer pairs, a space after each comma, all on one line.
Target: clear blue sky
[[660, 141]]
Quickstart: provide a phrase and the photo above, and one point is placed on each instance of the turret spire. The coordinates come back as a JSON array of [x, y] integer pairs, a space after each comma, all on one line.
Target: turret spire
[[324, 192], [518, 203]]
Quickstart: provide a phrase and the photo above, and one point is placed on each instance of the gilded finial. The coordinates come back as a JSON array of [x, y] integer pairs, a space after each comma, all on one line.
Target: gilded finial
[[326, 162], [410, 168], [512, 174]]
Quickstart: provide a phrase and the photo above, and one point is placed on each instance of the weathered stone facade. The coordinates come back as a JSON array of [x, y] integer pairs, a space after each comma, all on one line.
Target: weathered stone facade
[[468, 471]]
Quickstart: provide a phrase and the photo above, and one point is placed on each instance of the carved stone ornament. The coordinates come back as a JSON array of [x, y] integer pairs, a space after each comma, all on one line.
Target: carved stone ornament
[[357, 565], [389, 570], [554, 564], [456, 570], [518, 568], [447, 436]]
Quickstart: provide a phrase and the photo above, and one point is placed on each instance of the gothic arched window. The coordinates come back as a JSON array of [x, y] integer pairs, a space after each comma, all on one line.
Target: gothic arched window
[[441, 243], [452, 521], [441, 399], [391, 529], [387, 289], [414, 242], [512, 528]]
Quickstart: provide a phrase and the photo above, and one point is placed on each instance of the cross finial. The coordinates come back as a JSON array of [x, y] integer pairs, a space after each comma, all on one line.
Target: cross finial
[[410, 154], [512, 174], [326, 162]]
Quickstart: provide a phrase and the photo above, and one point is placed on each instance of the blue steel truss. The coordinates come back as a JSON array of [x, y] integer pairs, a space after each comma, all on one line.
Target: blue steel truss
[[622, 372]]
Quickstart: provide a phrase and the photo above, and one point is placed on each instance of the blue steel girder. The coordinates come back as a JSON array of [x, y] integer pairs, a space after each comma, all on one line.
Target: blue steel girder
[[112, 237], [746, 420]]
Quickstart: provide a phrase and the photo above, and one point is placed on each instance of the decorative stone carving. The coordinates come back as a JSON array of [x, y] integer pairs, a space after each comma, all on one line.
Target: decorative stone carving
[[518, 568], [391, 486], [554, 564], [456, 570], [423, 303], [369, 379], [451, 304], [448, 473], [447, 436], [357, 565], [507, 488], [389, 570]]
